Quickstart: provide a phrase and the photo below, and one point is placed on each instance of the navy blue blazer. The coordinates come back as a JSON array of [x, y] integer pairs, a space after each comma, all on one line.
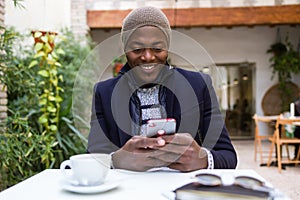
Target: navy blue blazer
[[190, 99]]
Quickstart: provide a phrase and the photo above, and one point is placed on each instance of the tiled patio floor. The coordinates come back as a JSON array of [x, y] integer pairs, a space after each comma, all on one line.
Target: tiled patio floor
[[288, 181]]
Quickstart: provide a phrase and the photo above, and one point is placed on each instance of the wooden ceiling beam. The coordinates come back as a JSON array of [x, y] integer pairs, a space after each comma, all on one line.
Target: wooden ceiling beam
[[207, 17]]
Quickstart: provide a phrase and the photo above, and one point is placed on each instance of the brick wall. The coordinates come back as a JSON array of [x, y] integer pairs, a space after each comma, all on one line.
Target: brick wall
[[78, 17], [3, 95]]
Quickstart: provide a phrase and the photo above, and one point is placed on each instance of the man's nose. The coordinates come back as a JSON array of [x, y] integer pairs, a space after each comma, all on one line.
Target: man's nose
[[148, 55]]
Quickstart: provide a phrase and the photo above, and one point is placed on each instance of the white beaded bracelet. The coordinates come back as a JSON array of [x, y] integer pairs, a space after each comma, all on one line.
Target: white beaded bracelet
[[210, 159]]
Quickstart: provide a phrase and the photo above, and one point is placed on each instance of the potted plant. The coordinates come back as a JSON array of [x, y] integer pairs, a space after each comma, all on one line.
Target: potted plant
[[285, 61], [118, 64]]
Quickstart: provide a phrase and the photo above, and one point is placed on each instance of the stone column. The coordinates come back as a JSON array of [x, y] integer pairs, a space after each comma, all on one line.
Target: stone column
[[78, 18]]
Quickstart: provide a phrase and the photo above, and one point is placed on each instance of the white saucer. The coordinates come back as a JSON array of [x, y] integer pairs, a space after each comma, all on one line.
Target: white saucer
[[108, 185]]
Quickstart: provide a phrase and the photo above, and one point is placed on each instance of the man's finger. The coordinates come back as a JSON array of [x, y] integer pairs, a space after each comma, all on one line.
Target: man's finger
[[178, 138], [173, 148], [165, 157], [145, 142]]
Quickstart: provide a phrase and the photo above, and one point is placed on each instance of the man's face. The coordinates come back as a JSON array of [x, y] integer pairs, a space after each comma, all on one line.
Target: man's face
[[146, 52]]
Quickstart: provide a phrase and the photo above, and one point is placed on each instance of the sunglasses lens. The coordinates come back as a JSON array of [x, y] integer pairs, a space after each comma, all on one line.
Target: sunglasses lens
[[208, 179], [248, 182]]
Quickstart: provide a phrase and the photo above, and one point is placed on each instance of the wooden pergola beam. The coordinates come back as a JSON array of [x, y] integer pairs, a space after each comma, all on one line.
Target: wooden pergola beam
[[207, 17]]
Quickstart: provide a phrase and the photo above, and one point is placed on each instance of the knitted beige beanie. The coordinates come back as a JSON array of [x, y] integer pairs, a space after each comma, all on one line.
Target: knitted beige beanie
[[142, 17]]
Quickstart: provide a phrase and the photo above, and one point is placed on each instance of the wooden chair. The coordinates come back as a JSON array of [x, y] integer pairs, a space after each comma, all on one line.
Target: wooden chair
[[259, 136], [279, 139]]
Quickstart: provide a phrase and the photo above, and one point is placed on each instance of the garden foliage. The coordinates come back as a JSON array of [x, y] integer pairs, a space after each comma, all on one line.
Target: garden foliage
[[39, 132]]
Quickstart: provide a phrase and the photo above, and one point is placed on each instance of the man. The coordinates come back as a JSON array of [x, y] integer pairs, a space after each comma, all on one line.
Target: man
[[149, 88]]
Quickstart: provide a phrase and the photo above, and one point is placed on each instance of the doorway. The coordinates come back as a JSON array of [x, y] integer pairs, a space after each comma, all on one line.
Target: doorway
[[234, 88]]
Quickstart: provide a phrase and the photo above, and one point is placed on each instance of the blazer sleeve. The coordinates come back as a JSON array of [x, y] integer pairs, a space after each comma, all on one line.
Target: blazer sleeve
[[215, 136], [98, 140]]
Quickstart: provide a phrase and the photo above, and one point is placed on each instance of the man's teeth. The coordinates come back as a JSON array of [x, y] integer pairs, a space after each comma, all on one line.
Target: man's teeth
[[148, 67]]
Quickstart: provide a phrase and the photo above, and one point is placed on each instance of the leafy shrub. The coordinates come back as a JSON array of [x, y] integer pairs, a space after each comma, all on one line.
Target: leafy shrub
[[27, 146], [285, 61]]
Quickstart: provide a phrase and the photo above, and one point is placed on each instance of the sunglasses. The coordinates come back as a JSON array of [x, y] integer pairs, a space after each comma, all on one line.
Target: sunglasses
[[241, 181]]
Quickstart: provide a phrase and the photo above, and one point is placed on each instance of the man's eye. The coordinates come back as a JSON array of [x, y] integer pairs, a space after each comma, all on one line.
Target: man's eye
[[157, 49], [137, 50]]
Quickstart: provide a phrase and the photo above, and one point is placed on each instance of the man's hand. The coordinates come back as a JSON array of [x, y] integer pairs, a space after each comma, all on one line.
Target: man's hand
[[137, 154], [182, 152]]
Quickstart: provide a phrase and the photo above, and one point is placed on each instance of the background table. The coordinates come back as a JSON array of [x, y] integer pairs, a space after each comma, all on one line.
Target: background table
[[133, 185], [296, 123]]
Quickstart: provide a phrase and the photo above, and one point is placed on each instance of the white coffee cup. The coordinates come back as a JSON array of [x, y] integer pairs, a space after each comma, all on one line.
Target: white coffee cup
[[86, 169]]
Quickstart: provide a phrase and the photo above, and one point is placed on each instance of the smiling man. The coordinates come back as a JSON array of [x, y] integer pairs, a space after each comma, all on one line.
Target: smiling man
[[147, 51], [149, 88]]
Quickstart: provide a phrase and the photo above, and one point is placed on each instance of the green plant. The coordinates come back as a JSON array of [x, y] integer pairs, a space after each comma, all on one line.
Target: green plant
[[118, 63], [6, 44], [285, 61], [23, 151], [49, 100], [75, 54], [17, 3], [46, 60], [39, 132]]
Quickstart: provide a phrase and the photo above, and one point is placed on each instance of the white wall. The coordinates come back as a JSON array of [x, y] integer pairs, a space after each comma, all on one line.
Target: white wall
[[48, 15], [129, 4]]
